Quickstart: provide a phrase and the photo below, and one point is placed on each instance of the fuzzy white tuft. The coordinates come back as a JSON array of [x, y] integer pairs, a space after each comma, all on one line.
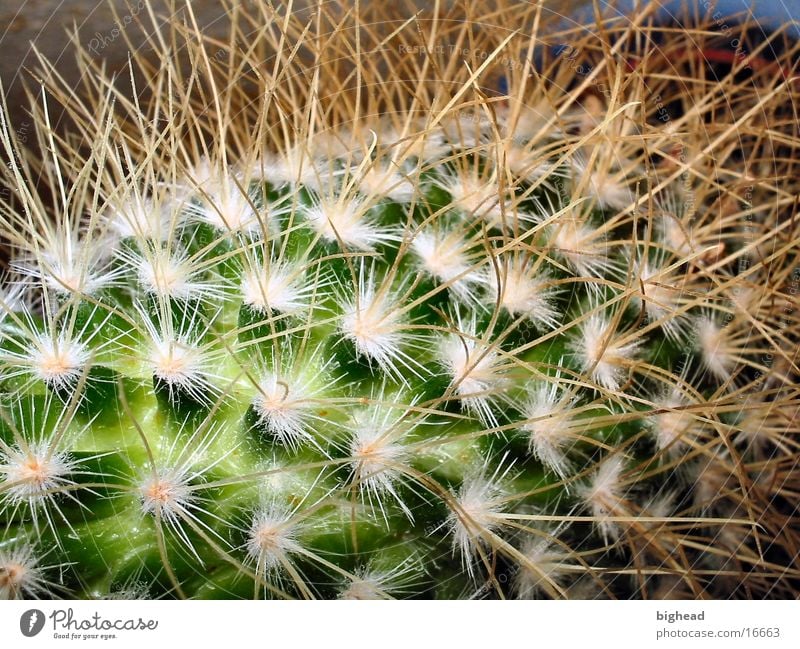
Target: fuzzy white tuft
[[70, 266], [475, 197], [715, 480], [551, 427], [167, 491], [445, 257], [546, 565], [712, 339], [524, 291], [603, 496], [656, 290], [272, 538], [582, 245], [525, 122], [170, 489], [674, 230], [219, 196], [144, 219], [348, 221], [57, 360], [226, 206], [609, 189], [13, 299], [466, 129], [170, 274], [527, 163], [475, 515], [476, 369], [672, 428], [378, 454], [383, 180], [280, 287], [130, 590], [367, 586], [179, 360], [377, 583], [292, 167], [412, 144], [287, 407], [374, 323], [21, 575], [768, 425], [181, 365], [34, 472], [601, 354]]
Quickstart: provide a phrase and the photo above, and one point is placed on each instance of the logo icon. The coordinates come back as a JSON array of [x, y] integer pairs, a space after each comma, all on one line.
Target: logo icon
[[31, 622]]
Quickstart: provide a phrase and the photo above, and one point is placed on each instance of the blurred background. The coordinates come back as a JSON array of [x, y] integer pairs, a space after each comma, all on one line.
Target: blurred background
[[28, 26]]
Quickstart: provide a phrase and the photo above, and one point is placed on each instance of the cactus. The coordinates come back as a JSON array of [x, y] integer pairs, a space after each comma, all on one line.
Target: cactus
[[353, 303]]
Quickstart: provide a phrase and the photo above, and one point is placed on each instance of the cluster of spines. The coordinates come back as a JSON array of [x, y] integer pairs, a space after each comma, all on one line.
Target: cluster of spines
[[338, 346]]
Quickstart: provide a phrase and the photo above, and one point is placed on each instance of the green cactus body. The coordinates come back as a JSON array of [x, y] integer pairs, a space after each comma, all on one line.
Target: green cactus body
[[509, 346]]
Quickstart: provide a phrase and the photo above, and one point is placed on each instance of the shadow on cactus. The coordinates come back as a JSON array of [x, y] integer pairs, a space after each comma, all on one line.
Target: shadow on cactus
[[319, 312]]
